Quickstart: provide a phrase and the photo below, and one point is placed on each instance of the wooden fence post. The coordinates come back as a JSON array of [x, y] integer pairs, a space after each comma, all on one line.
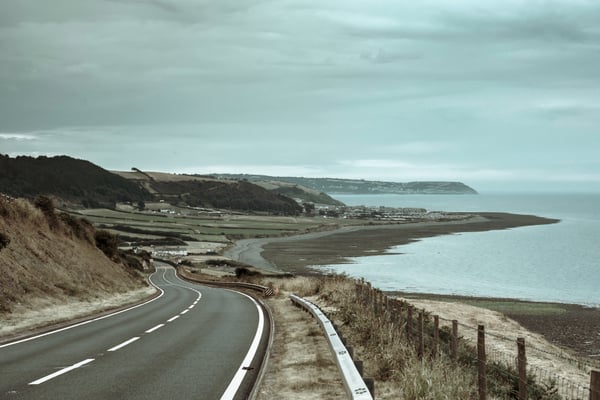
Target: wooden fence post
[[595, 385], [454, 343], [421, 342], [436, 335], [409, 323], [481, 361], [522, 366]]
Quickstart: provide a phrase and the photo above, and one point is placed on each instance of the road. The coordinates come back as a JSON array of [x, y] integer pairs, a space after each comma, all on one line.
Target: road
[[192, 342]]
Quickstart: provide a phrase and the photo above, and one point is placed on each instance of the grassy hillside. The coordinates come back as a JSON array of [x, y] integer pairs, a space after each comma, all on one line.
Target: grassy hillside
[[73, 180], [47, 257], [81, 183], [207, 192]]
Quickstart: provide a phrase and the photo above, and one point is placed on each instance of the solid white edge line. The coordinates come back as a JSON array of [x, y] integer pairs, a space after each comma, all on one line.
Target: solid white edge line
[[125, 343], [236, 382], [173, 319], [162, 292], [155, 328], [62, 371]]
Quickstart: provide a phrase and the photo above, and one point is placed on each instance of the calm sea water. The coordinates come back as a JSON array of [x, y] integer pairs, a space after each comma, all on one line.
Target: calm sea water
[[558, 262]]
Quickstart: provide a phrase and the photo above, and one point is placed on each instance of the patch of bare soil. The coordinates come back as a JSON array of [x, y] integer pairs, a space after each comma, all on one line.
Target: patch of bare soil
[[301, 366]]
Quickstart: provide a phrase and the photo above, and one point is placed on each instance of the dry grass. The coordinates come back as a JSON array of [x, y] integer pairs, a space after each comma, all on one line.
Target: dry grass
[[388, 357], [53, 261], [44, 312], [300, 366]]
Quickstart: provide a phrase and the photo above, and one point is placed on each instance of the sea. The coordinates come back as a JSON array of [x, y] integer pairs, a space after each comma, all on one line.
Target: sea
[[550, 263]]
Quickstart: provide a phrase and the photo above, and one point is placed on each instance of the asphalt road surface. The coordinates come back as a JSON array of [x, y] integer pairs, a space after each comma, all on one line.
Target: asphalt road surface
[[192, 342]]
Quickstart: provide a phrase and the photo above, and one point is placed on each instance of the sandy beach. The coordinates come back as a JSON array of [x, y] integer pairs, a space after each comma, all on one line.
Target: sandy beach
[[295, 253], [576, 327]]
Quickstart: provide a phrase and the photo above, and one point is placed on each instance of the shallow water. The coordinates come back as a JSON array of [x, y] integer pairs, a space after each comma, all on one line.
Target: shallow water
[[557, 262]]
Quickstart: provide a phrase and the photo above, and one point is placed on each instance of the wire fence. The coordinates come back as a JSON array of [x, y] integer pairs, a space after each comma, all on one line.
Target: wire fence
[[523, 370]]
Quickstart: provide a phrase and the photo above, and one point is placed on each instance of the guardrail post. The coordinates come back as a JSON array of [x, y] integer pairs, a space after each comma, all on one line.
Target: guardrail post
[[454, 340], [370, 383], [481, 361], [595, 385], [360, 367], [522, 366]]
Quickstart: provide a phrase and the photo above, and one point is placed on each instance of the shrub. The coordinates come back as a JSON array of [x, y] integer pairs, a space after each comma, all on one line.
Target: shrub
[[108, 243], [133, 262], [46, 205], [4, 240], [80, 227]]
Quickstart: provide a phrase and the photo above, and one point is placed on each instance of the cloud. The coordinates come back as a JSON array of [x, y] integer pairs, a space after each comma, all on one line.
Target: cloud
[[17, 136], [433, 89]]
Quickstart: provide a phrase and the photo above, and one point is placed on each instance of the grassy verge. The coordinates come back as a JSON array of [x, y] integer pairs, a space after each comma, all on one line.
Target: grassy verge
[[379, 338]]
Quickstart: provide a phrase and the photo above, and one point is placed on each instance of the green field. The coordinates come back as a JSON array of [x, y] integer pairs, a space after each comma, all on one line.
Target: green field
[[153, 224]]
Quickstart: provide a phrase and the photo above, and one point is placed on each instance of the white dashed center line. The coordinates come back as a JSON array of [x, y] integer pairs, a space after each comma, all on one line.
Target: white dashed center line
[[173, 319], [125, 343], [62, 371], [155, 328]]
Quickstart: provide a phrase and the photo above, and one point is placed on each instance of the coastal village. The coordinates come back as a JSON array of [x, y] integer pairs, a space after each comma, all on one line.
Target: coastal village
[[368, 214]]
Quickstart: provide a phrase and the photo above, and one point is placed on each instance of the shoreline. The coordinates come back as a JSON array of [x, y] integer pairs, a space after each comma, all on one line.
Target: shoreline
[[572, 326], [295, 254]]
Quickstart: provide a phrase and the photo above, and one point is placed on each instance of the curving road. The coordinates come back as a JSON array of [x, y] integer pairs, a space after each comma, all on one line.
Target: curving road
[[192, 342]]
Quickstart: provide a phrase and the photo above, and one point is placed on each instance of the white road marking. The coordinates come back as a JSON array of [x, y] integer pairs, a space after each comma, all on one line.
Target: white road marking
[[190, 307], [62, 371], [173, 319], [162, 292], [236, 382], [155, 328], [125, 343], [184, 312]]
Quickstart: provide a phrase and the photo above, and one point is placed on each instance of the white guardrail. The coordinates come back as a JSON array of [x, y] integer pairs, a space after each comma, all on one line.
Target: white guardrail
[[353, 381]]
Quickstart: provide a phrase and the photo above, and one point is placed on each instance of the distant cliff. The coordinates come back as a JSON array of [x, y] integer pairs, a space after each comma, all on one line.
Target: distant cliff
[[356, 186]]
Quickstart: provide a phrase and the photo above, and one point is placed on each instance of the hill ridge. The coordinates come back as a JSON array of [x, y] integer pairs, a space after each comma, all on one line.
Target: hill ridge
[[361, 186]]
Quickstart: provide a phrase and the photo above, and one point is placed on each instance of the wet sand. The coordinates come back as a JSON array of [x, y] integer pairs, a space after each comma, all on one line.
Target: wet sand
[[296, 253], [577, 328]]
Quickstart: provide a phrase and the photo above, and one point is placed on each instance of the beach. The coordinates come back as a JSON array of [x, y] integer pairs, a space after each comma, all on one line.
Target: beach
[[573, 326], [295, 254]]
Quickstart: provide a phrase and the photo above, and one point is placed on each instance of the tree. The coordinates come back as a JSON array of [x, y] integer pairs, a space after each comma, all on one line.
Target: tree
[[4, 240], [309, 208], [108, 243]]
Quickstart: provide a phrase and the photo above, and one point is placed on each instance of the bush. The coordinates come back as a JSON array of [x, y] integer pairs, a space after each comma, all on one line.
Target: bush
[[4, 240], [108, 243], [46, 205], [80, 227]]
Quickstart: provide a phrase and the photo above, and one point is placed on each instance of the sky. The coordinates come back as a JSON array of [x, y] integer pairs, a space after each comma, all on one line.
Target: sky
[[500, 95]]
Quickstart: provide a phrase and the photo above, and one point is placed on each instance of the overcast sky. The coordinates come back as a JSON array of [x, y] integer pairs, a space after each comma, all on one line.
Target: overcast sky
[[496, 94]]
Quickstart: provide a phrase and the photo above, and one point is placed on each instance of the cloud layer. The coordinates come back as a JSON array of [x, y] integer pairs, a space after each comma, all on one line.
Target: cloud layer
[[483, 92]]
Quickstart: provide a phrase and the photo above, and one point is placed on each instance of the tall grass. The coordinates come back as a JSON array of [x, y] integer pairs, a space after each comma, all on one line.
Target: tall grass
[[379, 338]]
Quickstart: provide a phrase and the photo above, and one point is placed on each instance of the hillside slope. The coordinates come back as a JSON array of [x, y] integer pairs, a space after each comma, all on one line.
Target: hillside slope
[[358, 186], [202, 191], [73, 180], [46, 261]]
